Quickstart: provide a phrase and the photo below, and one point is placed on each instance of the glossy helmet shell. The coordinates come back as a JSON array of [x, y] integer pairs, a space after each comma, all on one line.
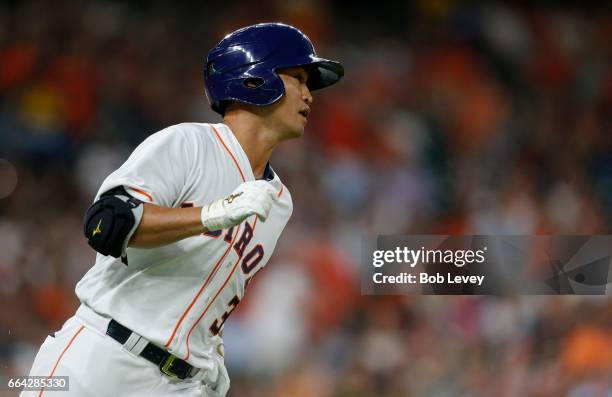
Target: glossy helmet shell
[[243, 66]]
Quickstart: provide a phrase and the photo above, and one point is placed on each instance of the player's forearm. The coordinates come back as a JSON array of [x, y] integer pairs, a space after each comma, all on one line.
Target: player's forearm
[[160, 226]]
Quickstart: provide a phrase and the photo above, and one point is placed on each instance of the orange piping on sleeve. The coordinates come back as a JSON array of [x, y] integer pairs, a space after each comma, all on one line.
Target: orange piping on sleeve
[[147, 195]]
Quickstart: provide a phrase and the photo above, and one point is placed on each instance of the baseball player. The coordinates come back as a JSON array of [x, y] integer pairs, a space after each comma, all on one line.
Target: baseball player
[[184, 225]]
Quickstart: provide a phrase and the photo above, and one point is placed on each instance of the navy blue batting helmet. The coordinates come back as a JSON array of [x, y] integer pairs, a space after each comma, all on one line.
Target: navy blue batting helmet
[[242, 67]]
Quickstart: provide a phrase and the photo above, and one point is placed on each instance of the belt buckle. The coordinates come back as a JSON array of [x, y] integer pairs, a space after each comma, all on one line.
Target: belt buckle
[[166, 367]]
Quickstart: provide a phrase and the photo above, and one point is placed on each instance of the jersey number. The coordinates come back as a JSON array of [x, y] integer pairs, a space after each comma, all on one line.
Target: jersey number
[[215, 328], [249, 262]]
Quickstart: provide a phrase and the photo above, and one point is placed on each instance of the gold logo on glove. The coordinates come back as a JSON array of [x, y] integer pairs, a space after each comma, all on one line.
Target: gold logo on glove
[[97, 230], [231, 197]]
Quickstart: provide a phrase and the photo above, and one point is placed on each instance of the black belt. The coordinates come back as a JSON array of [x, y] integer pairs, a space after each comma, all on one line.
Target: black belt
[[168, 363]]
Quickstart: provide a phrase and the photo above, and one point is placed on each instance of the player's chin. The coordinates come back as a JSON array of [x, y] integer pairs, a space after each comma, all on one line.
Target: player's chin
[[301, 126], [299, 132], [294, 132]]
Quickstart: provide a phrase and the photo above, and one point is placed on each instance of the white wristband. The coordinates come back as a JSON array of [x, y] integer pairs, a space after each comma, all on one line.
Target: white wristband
[[213, 216]]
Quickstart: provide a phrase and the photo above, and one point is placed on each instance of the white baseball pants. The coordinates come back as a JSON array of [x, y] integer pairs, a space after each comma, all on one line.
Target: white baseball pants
[[98, 366]]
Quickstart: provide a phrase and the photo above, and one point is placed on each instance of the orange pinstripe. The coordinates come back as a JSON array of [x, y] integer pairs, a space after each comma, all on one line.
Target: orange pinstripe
[[210, 276], [230, 153], [215, 297], [62, 355]]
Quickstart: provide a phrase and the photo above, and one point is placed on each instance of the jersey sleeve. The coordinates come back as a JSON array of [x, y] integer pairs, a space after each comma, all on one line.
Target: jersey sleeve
[[157, 171]]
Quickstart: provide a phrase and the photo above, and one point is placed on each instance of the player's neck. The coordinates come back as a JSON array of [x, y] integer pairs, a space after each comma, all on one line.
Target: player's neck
[[257, 140]]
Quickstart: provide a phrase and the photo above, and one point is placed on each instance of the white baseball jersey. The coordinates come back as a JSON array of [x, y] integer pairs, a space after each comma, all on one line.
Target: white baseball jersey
[[178, 296]]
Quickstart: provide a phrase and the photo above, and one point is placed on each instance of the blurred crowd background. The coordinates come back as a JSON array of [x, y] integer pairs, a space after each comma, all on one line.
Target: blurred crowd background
[[453, 117]]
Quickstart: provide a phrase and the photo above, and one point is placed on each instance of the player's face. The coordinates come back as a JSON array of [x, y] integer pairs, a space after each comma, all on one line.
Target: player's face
[[290, 113]]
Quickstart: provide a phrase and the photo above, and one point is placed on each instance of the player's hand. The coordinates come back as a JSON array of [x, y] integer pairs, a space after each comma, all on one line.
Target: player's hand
[[249, 198]]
